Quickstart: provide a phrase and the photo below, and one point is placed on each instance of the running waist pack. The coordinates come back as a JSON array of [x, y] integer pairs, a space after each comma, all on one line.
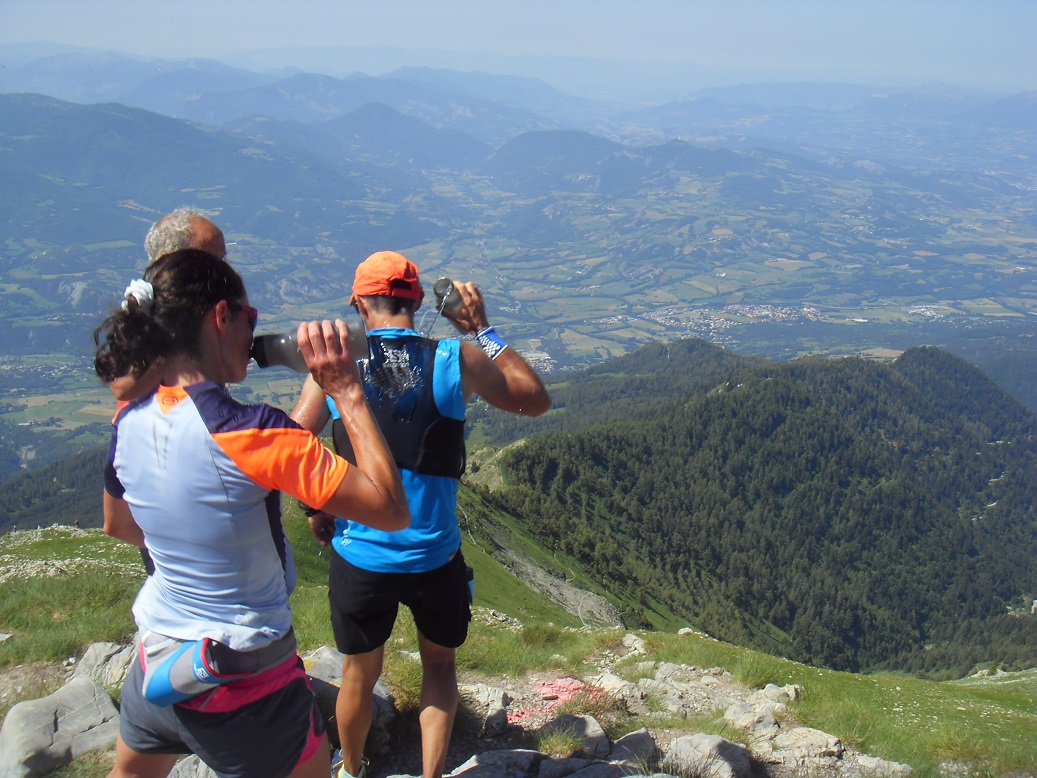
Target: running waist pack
[[176, 670]]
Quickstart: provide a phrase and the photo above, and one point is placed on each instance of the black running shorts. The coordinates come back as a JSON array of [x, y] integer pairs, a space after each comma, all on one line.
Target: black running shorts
[[269, 736], [364, 604]]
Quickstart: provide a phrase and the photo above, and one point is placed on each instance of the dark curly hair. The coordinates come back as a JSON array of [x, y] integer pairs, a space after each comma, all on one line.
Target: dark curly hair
[[187, 285]]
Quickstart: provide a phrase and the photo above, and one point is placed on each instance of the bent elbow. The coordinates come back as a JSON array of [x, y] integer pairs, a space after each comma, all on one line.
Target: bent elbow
[[108, 526], [539, 406], [398, 519]]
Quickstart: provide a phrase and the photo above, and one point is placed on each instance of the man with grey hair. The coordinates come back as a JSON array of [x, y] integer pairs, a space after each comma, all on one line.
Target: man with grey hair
[[184, 229]]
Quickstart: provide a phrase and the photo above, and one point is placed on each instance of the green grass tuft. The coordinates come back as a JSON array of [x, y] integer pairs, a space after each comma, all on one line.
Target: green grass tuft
[[559, 744], [61, 590], [756, 670]]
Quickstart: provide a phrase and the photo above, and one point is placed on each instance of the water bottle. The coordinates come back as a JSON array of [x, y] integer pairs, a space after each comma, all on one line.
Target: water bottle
[[279, 349], [283, 349], [448, 299]]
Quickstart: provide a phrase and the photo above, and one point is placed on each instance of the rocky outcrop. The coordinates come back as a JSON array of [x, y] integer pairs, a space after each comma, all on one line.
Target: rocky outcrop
[[40, 735]]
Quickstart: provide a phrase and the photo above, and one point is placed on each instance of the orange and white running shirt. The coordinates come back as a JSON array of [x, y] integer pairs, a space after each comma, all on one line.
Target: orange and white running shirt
[[202, 474]]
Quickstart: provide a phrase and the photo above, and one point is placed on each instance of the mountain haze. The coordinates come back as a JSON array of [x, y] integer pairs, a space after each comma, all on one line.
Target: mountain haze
[[593, 231]]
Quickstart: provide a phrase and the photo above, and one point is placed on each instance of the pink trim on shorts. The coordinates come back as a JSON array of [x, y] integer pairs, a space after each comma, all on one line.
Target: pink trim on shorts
[[313, 740], [233, 695]]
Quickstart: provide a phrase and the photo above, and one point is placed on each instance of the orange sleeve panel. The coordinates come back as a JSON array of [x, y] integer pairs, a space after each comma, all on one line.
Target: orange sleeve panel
[[290, 460]]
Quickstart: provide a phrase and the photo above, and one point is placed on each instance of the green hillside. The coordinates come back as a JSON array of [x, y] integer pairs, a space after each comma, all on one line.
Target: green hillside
[[847, 513], [638, 386], [67, 491]]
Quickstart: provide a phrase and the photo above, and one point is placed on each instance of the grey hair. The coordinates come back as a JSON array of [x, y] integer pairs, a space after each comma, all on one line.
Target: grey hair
[[172, 232]]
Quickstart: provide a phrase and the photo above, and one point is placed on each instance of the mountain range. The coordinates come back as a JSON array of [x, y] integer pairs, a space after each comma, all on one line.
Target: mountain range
[[869, 220], [800, 219], [787, 329]]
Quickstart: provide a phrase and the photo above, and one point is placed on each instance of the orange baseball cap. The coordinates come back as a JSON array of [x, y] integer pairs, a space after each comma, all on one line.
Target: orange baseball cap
[[387, 274]]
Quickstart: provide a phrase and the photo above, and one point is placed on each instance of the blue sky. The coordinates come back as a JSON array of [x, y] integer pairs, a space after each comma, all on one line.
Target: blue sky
[[979, 43]]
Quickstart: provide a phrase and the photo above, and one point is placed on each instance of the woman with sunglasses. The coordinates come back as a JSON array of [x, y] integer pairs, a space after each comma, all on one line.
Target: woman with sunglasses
[[196, 477]]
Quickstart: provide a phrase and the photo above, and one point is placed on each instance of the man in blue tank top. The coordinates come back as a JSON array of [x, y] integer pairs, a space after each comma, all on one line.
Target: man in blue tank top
[[417, 389]]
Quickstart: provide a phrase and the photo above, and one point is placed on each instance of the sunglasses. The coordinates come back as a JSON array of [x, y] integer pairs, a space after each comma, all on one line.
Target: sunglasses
[[252, 313]]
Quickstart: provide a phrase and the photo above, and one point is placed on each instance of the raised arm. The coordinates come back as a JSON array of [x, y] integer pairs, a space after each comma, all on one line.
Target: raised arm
[[371, 492], [506, 380], [127, 388], [311, 412]]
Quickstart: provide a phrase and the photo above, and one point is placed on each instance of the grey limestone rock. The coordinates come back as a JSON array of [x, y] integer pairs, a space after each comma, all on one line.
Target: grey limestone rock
[[107, 664], [489, 705], [38, 736], [191, 767], [881, 767], [636, 748], [504, 763], [612, 684], [708, 755], [807, 743]]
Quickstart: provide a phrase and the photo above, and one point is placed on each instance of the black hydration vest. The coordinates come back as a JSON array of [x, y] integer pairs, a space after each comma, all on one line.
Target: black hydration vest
[[397, 376]]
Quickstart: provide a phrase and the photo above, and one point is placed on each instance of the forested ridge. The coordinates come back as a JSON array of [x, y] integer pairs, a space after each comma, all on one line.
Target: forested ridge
[[847, 513], [66, 491], [640, 385], [841, 512]]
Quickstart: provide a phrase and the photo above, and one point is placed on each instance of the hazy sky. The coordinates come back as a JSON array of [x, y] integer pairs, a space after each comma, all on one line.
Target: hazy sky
[[981, 43]]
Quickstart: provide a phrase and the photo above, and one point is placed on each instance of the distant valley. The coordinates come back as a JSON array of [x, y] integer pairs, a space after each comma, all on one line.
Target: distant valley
[[779, 221]]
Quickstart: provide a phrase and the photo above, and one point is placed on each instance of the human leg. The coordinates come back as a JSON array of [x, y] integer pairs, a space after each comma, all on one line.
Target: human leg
[[317, 766], [148, 744], [354, 704], [364, 605], [438, 704], [131, 764], [441, 604]]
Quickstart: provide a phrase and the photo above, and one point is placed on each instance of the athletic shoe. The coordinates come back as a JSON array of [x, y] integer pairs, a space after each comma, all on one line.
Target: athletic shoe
[[338, 771]]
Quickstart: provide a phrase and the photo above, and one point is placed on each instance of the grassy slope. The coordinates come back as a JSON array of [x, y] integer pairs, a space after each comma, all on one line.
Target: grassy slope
[[499, 532], [987, 723], [495, 587], [981, 721]]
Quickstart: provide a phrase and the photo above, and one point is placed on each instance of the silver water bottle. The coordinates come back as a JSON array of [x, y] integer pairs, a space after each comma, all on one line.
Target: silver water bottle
[[279, 349], [448, 299], [283, 348]]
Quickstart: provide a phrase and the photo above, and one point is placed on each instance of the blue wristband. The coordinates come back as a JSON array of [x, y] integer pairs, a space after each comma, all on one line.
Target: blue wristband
[[490, 342]]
